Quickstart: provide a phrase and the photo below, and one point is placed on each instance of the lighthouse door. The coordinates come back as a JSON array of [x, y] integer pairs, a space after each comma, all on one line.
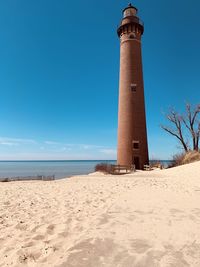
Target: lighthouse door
[[136, 161]]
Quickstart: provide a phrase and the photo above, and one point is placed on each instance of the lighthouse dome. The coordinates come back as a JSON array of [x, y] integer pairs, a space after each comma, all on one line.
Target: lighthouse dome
[[129, 11]]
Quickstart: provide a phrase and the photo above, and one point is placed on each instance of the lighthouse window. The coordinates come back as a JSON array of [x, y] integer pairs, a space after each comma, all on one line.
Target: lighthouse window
[[135, 144], [133, 87], [132, 36]]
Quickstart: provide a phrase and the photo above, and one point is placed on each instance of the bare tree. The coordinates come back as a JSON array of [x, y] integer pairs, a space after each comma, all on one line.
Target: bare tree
[[188, 121], [192, 123]]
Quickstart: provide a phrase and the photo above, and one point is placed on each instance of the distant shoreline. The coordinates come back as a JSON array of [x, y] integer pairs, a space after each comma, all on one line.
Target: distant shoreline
[[58, 168], [57, 160], [76, 160]]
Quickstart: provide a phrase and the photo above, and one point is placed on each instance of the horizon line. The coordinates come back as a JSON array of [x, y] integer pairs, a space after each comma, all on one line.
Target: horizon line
[[26, 160]]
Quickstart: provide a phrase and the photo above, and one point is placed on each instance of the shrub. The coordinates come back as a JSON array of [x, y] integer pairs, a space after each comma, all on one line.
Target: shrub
[[176, 160], [4, 180], [103, 167], [156, 164], [184, 158]]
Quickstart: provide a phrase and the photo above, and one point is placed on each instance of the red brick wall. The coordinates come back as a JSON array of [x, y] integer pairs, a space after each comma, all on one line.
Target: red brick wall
[[131, 113]]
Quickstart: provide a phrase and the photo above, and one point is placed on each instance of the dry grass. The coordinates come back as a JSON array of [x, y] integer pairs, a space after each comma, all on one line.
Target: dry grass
[[156, 164], [185, 158]]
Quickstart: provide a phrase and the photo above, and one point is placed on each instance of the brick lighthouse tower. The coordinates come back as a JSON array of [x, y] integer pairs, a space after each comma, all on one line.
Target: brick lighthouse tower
[[132, 135]]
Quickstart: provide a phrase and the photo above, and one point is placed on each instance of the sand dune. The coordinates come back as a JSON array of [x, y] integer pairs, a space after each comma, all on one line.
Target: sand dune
[[143, 219]]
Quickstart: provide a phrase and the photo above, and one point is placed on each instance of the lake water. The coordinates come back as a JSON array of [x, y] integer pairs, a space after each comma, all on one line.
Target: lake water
[[60, 169]]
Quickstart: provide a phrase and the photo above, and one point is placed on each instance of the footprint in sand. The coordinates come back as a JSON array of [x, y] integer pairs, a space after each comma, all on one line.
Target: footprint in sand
[[39, 237], [173, 260], [50, 229], [29, 244], [35, 228], [140, 245], [63, 234]]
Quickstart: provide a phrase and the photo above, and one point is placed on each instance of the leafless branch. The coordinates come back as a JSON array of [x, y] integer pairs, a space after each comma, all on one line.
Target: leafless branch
[[188, 122]]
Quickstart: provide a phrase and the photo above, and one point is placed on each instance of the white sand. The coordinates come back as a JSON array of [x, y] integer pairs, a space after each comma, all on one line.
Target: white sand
[[145, 219]]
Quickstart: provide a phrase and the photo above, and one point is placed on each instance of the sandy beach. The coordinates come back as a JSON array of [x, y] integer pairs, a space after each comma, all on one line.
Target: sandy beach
[[144, 219]]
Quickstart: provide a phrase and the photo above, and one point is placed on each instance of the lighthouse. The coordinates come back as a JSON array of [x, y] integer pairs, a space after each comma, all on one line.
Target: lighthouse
[[132, 133]]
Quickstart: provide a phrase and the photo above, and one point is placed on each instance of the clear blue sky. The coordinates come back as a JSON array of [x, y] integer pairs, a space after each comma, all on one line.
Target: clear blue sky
[[59, 69]]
